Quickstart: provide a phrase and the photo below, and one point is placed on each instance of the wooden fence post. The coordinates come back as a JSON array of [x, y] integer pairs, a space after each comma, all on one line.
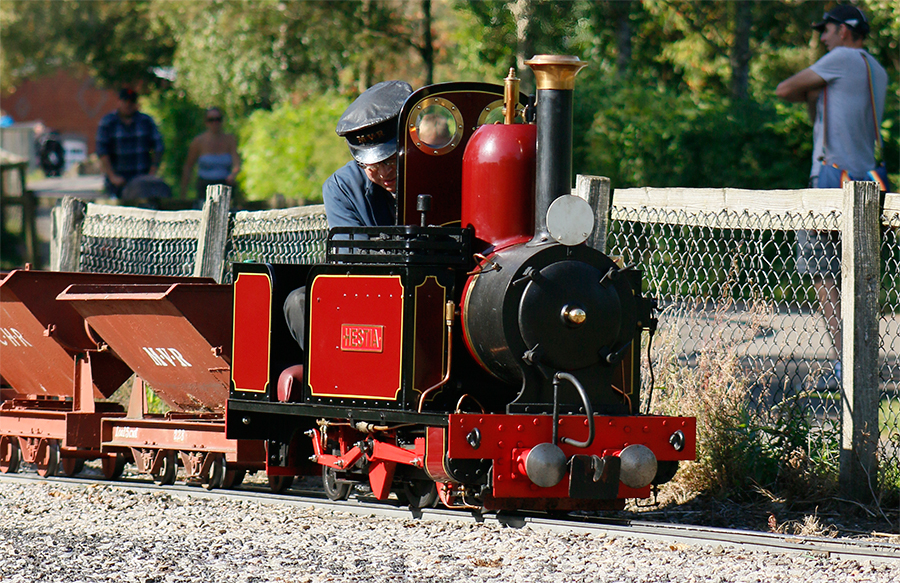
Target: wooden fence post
[[860, 289], [210, 258], [67, 218], [595, 190]]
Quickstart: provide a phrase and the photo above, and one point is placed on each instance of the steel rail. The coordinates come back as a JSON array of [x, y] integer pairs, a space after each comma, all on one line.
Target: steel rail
[[840, 548]]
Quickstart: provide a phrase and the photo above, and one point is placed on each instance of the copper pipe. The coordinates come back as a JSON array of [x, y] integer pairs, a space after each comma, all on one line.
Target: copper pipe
[[449, 312], [510, 96]]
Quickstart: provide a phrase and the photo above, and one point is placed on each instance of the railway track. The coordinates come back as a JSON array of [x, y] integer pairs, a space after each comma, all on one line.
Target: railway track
[[675, 534]]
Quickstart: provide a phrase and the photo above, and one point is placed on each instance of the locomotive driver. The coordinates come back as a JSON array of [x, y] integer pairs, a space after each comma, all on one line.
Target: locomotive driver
[[360, 193]]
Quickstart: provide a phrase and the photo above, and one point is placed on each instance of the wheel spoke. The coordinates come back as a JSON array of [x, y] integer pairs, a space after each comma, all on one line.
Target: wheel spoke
[[335, 488]]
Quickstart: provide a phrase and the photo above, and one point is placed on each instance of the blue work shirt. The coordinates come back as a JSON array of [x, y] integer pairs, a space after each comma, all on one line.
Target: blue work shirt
[[352, 200]]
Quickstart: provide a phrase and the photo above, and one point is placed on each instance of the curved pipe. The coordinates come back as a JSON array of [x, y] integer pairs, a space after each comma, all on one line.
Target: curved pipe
[[449, 312], [589, 411]]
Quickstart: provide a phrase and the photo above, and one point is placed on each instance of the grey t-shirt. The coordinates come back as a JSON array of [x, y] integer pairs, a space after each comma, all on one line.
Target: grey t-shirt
[[849, 127]]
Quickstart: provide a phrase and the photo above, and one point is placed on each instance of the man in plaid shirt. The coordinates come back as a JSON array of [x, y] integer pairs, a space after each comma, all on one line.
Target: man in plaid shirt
[[128, 143]]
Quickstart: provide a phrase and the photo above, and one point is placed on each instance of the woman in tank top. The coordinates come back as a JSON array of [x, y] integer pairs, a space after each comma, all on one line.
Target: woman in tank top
[[215, 155]]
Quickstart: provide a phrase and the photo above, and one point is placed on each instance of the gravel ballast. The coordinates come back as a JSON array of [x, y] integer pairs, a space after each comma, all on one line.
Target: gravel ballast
[[71, 533]]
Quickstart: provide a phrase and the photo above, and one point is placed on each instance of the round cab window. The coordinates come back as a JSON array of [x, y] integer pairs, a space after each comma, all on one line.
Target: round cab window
[[493, 113], [436, 126]]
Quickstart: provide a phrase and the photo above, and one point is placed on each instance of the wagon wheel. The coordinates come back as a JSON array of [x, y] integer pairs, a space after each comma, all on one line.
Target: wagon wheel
[[216, 477], [418, 493], [69, 466], [233, 478], [335, 488], [279, 484], [113, 466], [166, 474], [46, 466], [10, 454]]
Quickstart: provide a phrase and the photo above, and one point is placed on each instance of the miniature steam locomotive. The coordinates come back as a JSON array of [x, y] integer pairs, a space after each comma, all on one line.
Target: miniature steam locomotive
[[477, 351]]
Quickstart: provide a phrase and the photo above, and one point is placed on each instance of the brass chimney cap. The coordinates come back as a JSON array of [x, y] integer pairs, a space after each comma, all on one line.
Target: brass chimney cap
[[555, 71]]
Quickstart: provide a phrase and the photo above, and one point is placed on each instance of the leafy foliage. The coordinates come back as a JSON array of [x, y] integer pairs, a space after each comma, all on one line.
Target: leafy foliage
[[744, 446], [291, 150], [117, 42], [677, 92]]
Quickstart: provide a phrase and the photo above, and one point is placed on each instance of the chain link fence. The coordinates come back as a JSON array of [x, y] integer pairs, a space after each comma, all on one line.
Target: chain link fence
[[138, 241], [117, 239], [279, 236], [889, 406], [727, 277], [730, 279]]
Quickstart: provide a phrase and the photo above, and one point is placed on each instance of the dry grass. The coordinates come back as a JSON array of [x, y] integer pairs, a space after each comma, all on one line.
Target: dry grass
[[744, 446], [809, 526], [715, 389]]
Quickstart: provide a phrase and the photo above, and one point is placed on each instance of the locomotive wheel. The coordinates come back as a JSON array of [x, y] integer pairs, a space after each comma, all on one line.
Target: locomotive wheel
[[233, 478], [279, 484], [47, 465], [665, 471], [113, 466], [10, 455], [216, 477], [69, 466], [418, 493], [166, 475], [335, 489]]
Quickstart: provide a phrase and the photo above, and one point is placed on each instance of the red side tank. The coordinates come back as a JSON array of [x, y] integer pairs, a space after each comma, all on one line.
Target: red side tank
[[498, 184]]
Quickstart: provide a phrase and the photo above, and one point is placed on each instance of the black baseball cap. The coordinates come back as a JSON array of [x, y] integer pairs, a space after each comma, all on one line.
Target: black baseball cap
[[846, 14], [370, 123], [128, 94]]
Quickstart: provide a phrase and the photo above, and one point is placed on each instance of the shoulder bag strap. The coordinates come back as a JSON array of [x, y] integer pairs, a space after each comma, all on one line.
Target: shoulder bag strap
[[879, 142]]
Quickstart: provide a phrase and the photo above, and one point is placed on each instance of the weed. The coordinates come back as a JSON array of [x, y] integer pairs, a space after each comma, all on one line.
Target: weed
[[744, 445], [809, 526]]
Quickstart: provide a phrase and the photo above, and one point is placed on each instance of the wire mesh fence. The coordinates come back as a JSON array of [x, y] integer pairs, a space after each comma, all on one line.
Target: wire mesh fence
[[294, 235], [889, 404], [138, 241], [746, 283], [732, 278], [129, 240]]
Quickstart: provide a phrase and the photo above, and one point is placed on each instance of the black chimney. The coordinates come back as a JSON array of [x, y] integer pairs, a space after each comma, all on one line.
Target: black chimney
[[555, 77]]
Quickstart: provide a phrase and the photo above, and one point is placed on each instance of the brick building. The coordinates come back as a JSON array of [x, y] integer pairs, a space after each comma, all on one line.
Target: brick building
[[71, 105]]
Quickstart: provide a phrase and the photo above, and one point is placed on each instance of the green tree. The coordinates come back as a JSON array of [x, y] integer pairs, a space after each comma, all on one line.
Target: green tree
[[291, 150], [116, 42]]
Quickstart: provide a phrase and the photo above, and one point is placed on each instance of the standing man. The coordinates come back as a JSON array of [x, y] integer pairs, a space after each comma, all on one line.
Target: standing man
[[128, 144], [840, 90], [362, 192]]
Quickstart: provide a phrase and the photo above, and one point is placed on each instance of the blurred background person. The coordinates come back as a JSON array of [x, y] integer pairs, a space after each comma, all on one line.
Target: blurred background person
[[128, 143], [215, 155]]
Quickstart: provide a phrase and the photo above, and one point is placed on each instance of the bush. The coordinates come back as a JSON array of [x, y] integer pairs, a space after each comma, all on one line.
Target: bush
[[292, 150], [639, 135]]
